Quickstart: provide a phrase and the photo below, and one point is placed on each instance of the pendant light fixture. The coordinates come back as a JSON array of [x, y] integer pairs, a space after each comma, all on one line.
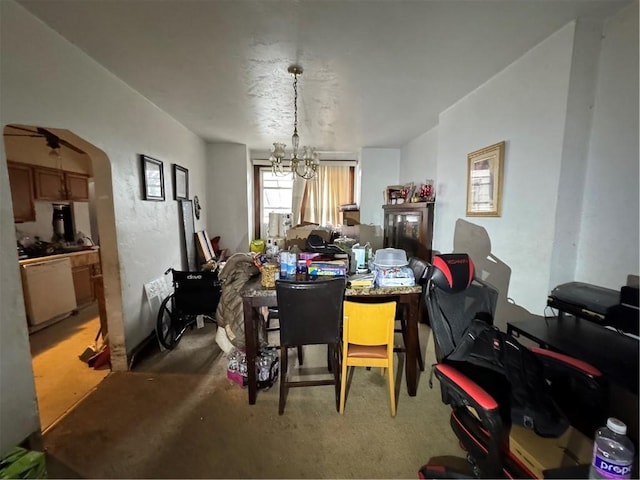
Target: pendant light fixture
[[307, 166]]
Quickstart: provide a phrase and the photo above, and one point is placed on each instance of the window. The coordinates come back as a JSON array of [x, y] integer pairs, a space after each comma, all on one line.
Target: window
[[320, 201], [275, 195]]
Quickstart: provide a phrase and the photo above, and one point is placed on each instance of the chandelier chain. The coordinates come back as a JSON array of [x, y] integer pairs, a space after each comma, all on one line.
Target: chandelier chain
[[295, 103], [307, 166]]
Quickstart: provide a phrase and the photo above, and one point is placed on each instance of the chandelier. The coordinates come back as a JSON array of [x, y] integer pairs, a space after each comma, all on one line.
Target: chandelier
[[306, 166]]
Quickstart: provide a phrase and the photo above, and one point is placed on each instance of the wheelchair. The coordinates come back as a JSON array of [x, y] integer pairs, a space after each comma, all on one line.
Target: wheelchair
[[484, 407], [194, 294]]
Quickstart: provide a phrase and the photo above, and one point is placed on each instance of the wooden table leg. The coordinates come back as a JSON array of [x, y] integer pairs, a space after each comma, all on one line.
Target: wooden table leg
[[251, 319], [412, 345]]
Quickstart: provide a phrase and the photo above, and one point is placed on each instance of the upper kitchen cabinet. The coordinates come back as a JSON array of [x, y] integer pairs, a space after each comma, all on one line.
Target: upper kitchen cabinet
[[52, 184], [21, 183], [77, 186]]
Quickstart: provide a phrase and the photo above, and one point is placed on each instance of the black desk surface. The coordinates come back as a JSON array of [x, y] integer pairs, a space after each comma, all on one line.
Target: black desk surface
[[614, 354]]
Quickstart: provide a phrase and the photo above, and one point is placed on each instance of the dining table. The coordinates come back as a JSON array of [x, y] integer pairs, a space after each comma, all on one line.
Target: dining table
[[255, 296]]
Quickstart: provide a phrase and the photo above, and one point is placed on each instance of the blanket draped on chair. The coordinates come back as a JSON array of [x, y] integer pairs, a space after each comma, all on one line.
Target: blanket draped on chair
[[229, 315]]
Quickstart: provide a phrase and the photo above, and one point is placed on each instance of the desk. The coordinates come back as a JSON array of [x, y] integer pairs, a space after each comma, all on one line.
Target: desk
[[254, 296], [614, 354]]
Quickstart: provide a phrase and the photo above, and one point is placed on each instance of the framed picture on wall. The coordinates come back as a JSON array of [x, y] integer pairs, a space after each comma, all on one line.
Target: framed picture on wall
[[180, 183], [484, 181], [152, 178]]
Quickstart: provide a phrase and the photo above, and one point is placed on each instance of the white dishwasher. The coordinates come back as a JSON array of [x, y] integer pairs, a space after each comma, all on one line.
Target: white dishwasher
[[48, 289]]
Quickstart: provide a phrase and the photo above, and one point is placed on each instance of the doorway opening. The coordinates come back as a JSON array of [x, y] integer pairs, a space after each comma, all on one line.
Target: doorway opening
[[54, 183]]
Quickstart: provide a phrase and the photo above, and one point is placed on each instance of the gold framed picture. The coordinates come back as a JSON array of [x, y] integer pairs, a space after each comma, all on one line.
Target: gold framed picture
[[484, 181]]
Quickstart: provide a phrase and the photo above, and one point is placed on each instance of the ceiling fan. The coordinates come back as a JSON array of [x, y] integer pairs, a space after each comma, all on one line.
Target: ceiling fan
[[53, 141]]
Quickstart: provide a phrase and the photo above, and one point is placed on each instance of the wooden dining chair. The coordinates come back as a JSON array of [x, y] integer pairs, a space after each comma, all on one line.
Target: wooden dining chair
[[310, 313], [367, 341]]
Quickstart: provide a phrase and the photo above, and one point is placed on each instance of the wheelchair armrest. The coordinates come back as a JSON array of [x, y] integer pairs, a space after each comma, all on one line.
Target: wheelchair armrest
[[459, 390]]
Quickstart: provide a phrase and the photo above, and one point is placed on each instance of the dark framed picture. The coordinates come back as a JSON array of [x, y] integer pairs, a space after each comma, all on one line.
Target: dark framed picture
[[152, 178], [180, 183]]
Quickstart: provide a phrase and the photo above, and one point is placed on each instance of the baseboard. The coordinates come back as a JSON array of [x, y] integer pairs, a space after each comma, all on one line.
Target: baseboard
[[148, 345], [33, 442]]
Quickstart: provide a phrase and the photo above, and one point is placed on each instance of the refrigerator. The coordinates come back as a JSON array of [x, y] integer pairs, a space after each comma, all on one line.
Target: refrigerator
[[48, 290]]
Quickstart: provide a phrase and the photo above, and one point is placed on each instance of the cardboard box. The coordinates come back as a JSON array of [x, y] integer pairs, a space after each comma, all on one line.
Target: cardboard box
[[298, 236], [363, 234], [538, 454], [351, 217]]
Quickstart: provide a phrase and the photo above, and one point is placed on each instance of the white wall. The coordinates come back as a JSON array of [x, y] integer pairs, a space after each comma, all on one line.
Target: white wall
[[18, 412], [586, 50], [229, 180], [379, 167], [46, 81], [524, 105], [608, 238], [568, 111], [419, 159]]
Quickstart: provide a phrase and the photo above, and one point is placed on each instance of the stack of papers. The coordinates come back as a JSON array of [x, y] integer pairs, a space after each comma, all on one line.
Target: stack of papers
[[362, 280]]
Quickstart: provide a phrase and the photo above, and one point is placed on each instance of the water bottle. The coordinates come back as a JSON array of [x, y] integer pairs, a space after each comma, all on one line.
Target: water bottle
[[612, 451]]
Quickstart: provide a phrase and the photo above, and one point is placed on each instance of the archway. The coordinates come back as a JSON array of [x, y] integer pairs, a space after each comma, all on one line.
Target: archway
[[100, 169]]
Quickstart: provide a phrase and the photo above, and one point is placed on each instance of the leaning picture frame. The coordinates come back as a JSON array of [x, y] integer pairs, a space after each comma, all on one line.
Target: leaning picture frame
[[180, 183], [152, 178], [484, 181]]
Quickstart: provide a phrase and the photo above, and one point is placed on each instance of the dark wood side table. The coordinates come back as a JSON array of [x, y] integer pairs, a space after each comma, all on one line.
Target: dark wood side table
[[613, 353]]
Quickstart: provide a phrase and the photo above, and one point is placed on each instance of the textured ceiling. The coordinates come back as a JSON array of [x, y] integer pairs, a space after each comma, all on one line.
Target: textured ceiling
[[376, 73]]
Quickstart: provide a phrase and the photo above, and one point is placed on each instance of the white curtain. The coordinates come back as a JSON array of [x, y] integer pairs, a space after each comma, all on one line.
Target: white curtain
[[299, 185], [324, 195]]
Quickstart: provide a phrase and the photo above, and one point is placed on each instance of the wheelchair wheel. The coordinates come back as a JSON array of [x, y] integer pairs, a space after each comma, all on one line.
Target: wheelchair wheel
[[166, 325]]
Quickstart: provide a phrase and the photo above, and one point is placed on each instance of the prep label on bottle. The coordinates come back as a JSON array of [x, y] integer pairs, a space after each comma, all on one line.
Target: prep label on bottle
[[608, 469]]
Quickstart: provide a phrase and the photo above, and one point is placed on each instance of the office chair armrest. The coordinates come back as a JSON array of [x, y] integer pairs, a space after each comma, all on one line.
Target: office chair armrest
[[459, 390], [579, 389], [555, 363]]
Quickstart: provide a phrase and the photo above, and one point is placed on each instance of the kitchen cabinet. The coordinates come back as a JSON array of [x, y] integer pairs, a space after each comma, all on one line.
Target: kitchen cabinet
[[52, 184], [77, 186], [84, 266], [21, 184], [409, 226], [82, 285]]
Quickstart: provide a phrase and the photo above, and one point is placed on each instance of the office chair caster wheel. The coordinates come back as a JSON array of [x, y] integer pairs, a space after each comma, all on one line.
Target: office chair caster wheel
[[474, 465]]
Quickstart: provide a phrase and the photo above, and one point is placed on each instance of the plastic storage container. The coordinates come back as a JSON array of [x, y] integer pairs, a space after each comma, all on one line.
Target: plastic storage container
[[390, 257], [612, 451]]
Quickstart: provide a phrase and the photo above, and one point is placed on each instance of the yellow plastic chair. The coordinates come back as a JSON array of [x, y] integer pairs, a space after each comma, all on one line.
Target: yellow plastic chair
[[367, 341]]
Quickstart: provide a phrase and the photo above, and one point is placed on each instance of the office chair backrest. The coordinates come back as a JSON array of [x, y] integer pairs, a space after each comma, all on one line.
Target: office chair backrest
[[454, 297], [310, 312], [419, 268]]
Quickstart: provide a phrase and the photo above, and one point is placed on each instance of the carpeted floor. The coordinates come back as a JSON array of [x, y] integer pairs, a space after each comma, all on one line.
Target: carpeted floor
[[178, 416]]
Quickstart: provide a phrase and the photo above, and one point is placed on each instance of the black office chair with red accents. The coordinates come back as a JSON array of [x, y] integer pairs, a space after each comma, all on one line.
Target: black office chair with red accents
[[493, 383]]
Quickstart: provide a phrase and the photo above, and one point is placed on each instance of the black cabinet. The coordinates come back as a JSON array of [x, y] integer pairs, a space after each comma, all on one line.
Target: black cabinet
[[409, 226]]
